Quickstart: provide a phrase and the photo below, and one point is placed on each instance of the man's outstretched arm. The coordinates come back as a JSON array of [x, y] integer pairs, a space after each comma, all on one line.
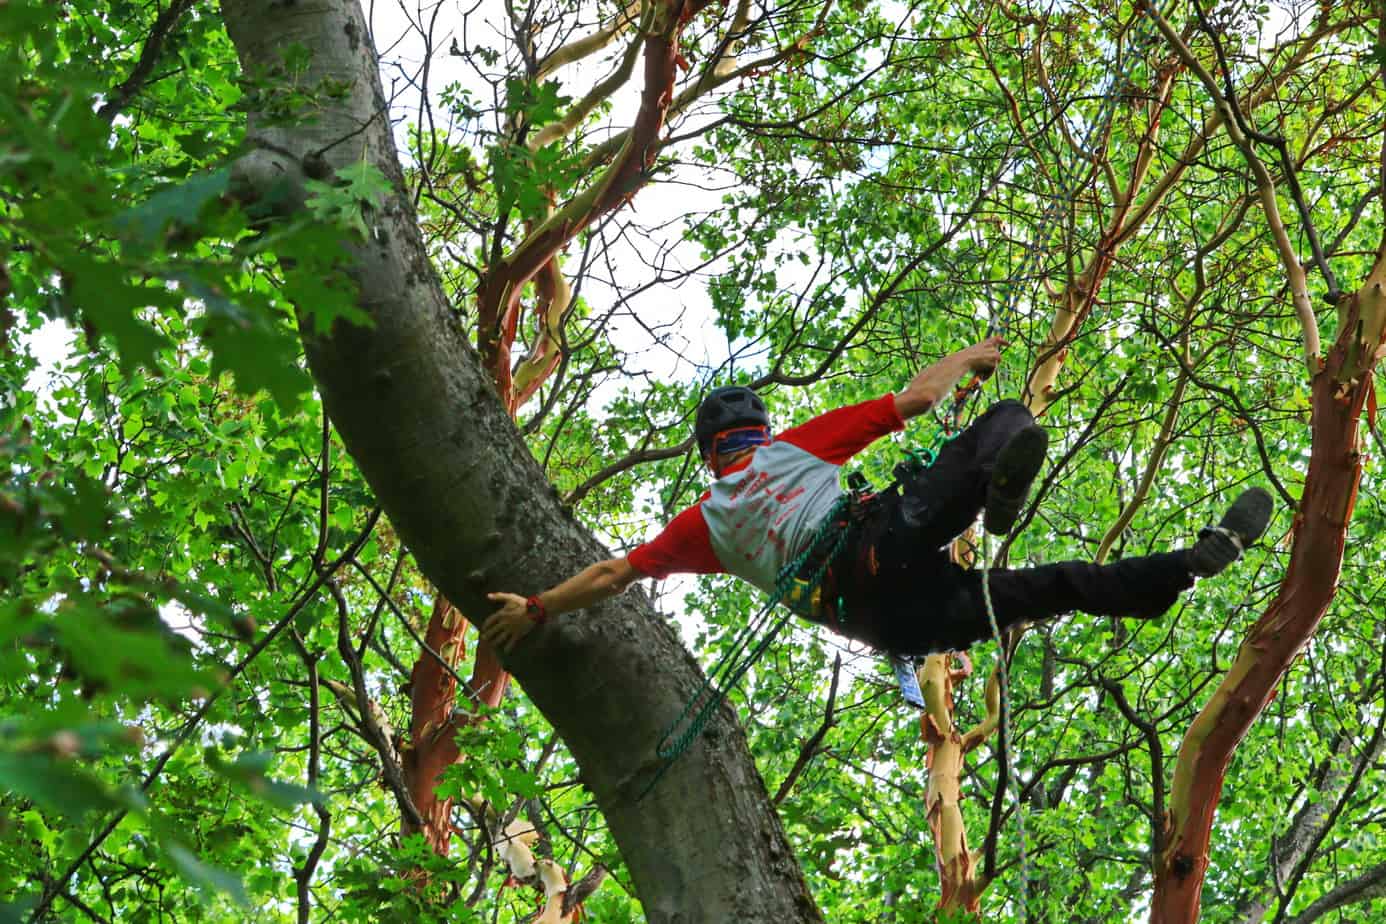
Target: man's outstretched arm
[[934, 383], [593, 584]]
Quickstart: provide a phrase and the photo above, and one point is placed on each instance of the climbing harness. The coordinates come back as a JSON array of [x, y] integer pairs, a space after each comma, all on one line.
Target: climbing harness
[[799, 585]]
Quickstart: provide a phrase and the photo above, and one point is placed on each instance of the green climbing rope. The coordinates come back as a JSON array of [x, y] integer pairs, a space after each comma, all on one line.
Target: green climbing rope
[[921, 458], [792, 586]]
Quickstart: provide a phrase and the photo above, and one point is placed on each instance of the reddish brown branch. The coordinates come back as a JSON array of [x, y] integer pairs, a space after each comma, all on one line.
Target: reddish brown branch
[[499, 299], [432, 744], [435, 719], [1270, 647]]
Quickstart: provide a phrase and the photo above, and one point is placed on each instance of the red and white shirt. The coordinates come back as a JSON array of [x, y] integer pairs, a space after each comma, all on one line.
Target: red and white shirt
[[761, 514]]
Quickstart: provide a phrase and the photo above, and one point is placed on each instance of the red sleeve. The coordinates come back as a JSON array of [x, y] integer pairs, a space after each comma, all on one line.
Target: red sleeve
[[838, 435], [683, 546]]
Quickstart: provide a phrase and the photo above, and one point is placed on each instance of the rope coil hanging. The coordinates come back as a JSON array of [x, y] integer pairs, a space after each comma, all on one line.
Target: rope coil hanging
[[827, 541]]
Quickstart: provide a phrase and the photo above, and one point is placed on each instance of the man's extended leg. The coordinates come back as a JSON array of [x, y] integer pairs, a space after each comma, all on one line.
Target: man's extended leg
[[953, 615], [947, 609], [944, 499]]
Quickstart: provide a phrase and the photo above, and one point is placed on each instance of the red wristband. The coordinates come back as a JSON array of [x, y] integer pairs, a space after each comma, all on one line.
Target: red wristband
[[535, 607]]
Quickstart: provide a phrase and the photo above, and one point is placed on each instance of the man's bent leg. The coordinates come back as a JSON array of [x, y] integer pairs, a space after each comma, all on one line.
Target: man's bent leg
[[945, 498]]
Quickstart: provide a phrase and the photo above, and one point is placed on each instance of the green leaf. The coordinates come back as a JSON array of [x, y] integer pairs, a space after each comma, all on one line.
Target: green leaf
[[115, 305], [364, 182], [54, 784], [177, 206], [546, 104], [359, 191], [204, 875], [250, 344], [249, 771], [120, 645]]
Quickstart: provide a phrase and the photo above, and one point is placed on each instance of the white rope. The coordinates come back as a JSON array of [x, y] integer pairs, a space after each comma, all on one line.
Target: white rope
[[1004, 676]]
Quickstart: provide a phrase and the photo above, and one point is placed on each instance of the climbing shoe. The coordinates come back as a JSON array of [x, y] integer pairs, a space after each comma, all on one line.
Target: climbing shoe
[[1242, 524], [1016, 466]]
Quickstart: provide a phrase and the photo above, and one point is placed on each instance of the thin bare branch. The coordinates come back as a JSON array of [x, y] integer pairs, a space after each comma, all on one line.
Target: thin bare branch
[[815, 741]]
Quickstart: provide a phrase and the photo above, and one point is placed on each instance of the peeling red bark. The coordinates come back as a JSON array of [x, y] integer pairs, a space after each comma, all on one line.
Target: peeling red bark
[[435, 719], [959, 885], [551, 303], [432, 746], [499, 298], [1320, 532]]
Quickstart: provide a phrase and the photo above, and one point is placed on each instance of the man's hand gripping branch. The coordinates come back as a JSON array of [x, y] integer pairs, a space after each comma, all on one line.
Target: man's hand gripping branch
[[518, 615]]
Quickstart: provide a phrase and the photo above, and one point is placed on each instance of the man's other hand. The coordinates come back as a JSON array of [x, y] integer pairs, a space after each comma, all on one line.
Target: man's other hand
[[932, 384], [983, 358], [506, 626]]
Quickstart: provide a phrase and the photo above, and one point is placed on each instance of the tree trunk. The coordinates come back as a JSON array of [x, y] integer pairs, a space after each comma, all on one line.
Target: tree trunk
[[420, 416], [1320, 531]]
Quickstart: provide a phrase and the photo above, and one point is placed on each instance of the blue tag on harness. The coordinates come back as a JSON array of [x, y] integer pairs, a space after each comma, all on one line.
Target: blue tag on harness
[[909, 683]]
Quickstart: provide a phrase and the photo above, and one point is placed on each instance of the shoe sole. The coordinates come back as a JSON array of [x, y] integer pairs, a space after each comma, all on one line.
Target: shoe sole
[[1243, 523], [1016, 467], [1249, 515]]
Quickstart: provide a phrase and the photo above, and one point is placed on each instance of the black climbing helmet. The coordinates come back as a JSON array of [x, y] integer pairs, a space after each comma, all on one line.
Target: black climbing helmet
[[725, 408]]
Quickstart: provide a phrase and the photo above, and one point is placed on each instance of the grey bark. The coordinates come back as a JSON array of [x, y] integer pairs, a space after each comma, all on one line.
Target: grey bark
[[1363, 888], [1333, 781], [1288, 850], [419, 416]]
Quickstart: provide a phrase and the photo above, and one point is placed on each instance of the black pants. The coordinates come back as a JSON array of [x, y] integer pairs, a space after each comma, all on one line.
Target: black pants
[[903, 594]]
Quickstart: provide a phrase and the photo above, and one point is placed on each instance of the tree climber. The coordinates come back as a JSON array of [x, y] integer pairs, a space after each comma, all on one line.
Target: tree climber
[[892, 585]]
